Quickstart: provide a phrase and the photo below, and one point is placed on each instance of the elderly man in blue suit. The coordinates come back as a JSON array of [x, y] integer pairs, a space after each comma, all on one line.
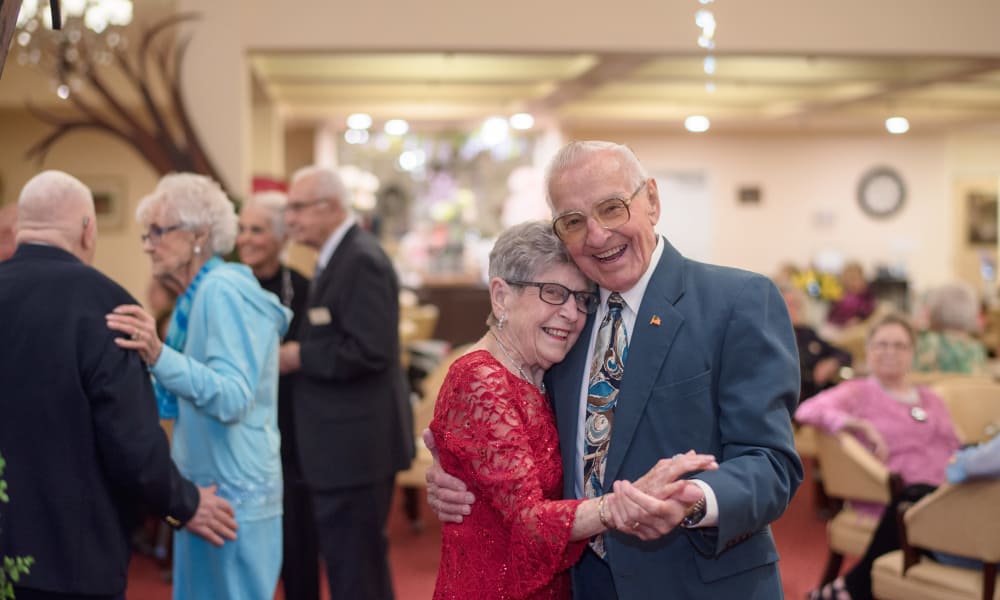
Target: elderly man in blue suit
[[711, 365]]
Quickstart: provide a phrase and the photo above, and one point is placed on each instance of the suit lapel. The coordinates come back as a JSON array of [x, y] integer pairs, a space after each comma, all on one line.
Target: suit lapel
[[318, 289], [656, 326]]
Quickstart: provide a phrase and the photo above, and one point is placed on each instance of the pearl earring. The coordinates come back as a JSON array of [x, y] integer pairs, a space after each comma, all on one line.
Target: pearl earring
[[197, 249]]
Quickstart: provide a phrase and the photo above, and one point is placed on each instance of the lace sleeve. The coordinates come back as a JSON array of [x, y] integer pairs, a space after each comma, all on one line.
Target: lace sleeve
[[490, 433]]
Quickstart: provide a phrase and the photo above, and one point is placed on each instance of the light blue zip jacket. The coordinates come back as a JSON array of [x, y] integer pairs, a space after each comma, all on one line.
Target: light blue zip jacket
[[226, 383]]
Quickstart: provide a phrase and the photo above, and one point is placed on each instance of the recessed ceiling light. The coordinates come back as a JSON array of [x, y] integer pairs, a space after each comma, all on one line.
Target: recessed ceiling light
[[697, 123], [396, 127], [897, 125], [359, 121], [356, 136], [522, 121]]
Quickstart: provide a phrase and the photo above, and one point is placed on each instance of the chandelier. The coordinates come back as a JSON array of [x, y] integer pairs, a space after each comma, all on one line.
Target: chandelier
[[91, 31]]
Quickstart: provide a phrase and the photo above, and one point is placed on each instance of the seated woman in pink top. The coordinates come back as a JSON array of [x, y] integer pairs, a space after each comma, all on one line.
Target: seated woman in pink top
[[906, 426]]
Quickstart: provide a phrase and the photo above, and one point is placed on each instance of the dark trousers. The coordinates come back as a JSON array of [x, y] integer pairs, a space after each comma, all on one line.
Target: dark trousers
[[28, 594], [858, 581], [300, 542], [592, 578], [352, 539]]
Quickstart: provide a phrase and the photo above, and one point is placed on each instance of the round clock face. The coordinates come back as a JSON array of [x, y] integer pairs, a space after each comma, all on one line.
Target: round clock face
[[881, 192]]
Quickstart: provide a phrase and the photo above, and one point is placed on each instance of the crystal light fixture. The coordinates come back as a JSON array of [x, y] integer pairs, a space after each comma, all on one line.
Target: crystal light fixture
[[91, 32]]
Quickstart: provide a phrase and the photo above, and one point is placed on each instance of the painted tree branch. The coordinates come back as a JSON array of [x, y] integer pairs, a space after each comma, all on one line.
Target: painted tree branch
[[157, 126]]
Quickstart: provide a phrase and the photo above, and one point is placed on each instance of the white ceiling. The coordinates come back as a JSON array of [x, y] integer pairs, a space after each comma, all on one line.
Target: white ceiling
[[636, 91]]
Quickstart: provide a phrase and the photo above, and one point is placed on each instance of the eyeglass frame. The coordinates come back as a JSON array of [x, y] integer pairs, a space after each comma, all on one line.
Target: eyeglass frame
[[581, 305], [298, 207], [882, 346], [154, 233], [626, 202]]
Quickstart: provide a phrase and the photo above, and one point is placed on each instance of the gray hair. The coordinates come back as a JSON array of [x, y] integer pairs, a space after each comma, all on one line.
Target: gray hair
[[953, 306], [893, 319], [198, 202], [574, 152], [524, 250], [326, 184], [274, 203]]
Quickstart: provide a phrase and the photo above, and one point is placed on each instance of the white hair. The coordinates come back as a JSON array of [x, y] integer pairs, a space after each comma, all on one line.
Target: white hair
[[45, 195], [325, 184], [274, 203], [574, 152], [198, 202]]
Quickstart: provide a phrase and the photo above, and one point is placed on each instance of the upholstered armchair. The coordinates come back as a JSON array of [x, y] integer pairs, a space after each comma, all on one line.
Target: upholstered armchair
[[851, 474], [974, 404], [962, 519]]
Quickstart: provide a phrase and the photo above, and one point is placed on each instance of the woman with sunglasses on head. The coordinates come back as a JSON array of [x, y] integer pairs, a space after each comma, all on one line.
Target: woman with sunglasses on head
[[907, 427], [494, 428]]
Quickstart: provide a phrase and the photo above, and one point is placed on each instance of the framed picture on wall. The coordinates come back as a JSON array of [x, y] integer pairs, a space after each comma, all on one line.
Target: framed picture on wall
[[110, 200], [981, 217]]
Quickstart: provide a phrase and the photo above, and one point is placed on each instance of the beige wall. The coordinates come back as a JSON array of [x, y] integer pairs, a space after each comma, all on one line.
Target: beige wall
[[96, 159], [809, 196]]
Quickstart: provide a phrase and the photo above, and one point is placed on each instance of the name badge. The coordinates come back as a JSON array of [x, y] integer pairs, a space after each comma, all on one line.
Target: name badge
[[319, 315]]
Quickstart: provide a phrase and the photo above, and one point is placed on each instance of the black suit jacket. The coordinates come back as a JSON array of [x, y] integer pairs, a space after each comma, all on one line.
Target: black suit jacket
[[352, 415], [78, 427]]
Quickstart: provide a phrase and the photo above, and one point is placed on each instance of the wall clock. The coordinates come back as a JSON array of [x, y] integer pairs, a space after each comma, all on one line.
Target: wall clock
[[881, 192]]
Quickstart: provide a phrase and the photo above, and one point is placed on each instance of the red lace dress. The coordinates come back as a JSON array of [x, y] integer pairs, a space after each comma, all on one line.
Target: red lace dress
[[497, 433]]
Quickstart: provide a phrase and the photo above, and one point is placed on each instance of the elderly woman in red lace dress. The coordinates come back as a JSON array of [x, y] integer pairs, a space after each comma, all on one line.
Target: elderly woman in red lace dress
[[494, 429]]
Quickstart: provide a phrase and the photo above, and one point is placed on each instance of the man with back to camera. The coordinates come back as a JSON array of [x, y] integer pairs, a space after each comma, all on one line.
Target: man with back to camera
[[711, 365], [352, 420], [79, 427]]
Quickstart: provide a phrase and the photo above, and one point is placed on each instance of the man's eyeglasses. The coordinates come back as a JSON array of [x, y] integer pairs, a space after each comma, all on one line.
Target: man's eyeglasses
[[297, 207], [558, 294], [571, 227], [155, 233]]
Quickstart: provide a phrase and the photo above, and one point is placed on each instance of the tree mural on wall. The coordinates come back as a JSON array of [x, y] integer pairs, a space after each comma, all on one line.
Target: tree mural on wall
[[148, 112]]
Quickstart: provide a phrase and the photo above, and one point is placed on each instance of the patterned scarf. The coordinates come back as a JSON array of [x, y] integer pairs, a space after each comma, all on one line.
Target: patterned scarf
[[177, 336]]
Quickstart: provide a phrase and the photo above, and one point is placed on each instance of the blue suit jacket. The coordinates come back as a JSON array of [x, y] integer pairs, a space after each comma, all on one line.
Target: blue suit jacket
[[719, 374]]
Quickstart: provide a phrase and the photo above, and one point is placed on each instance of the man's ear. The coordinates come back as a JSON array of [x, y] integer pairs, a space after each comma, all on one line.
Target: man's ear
[[653, 201], [88, 237]]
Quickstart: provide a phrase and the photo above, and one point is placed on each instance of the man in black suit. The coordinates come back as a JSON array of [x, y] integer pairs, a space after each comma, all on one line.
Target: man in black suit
[[352, 415], [78, 422]]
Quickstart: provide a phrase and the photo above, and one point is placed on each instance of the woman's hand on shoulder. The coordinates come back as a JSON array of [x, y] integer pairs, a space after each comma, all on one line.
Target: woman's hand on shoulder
[[140, 330]]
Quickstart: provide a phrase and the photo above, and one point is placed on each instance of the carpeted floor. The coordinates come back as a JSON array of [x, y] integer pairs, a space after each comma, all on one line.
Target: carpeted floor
[[800, 534]]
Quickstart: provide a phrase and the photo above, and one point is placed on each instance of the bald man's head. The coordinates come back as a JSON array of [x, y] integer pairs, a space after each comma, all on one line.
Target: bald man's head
[[55, 208], [8, 227]]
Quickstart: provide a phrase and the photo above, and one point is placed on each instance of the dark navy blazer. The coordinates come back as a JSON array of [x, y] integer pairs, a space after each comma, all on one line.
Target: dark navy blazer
[[712, 366]]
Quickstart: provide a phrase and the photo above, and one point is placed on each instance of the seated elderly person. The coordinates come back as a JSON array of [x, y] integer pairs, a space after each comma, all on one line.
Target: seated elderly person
[[858, 301], [820, 362], [952, 313], [906, 426]]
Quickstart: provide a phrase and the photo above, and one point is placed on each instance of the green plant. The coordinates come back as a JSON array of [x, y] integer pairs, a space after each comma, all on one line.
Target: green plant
[[11, 568]]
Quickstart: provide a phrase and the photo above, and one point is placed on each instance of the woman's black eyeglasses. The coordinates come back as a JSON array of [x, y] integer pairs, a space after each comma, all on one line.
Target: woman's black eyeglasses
[[558, 294]]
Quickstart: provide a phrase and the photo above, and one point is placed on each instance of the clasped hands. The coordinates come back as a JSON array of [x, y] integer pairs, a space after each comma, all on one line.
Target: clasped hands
[[648, 508]]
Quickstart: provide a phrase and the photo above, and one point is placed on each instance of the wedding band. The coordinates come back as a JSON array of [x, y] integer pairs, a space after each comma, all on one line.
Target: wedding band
[[135, 334], [676, 456]]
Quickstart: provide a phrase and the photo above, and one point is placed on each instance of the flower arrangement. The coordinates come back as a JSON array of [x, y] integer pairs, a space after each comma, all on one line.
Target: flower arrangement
[[11, 568], [819, 285]]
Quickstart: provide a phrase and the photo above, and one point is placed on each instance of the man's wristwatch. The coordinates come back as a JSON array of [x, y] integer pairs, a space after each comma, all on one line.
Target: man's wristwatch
[[695, 515]]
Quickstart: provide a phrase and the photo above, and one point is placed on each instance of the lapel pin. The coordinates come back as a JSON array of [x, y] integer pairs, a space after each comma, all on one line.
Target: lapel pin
[[655, 320]]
